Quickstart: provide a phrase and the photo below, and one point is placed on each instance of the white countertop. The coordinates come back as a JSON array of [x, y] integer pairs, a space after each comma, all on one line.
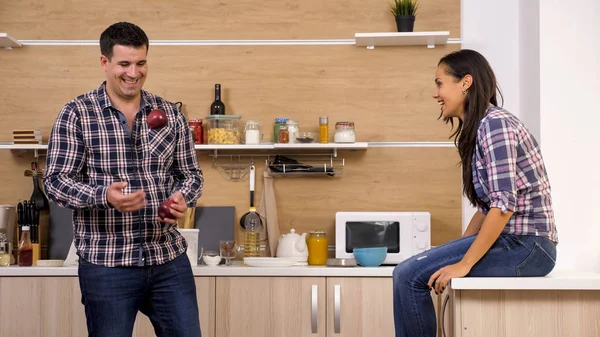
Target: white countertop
[[235, 270], [556, 280]]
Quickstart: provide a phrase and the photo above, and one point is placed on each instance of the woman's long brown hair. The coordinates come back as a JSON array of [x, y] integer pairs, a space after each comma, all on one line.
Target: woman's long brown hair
[[479, 96]]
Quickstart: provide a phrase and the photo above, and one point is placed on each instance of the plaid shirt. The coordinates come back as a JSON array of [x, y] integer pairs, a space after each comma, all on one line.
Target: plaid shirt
[[90, 147], [509, 174]]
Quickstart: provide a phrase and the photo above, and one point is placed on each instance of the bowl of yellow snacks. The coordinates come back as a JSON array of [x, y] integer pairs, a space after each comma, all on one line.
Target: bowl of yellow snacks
[[223, 129]]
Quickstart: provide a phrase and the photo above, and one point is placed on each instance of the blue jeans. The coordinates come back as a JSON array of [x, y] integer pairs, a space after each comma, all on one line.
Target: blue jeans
[[165, 293], [509, 256]]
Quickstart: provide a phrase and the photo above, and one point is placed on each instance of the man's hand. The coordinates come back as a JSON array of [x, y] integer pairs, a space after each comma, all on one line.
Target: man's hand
[[125, 202], [178, 208]]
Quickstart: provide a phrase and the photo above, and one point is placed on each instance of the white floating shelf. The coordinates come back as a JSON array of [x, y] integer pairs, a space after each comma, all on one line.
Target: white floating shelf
[[8, 42], [234, 147], [429, 39], [269, 146], [11, 146], [322, 146]]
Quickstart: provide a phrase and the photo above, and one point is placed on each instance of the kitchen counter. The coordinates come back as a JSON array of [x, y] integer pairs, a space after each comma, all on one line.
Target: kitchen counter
[[235, 270], [556, 280]]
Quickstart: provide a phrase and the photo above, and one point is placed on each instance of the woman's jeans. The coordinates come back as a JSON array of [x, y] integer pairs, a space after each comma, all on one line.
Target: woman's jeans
[[509, 256], [165, 293]]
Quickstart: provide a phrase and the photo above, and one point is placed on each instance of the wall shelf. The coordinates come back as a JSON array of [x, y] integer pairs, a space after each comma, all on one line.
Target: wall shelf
[[8, 42], [269, 146], [429, 39]]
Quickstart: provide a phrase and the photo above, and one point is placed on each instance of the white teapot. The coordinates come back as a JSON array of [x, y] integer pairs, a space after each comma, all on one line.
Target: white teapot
[[294, 246]]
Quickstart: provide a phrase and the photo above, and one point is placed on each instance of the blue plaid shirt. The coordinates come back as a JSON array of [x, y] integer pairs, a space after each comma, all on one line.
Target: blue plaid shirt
[[509, 174], [90, 147]]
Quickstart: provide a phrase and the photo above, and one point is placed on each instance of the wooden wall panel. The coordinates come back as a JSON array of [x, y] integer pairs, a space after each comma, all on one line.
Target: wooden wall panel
[[225, 19], [387, 92]]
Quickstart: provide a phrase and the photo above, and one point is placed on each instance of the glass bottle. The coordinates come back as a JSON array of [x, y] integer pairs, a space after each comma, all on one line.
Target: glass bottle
[[217, 107], [252, 226], [323, 130], [317, 248], [25, 248], [284, 135], [4, 251]]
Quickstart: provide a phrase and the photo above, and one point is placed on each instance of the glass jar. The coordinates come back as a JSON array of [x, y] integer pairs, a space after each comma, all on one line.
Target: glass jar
[[292, 130], [284, 135], [344, 132], [196, 130], [4, 251], [223, 129], [278, 123], [317, 248], [252, 132]]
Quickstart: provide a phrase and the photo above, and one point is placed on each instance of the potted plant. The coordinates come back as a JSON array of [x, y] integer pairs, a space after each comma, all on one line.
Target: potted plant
[[404, 11]]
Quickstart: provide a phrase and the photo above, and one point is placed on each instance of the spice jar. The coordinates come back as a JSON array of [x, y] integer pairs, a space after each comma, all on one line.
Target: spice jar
[[252, 132], [278, 123], [344, 132], [292, 130], [4, 251], [284, 135], [317, 248], [196, 130]]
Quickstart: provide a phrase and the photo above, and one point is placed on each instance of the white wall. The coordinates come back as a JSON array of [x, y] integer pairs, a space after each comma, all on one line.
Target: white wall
[[492, 29], [545, 54], [570, 122]]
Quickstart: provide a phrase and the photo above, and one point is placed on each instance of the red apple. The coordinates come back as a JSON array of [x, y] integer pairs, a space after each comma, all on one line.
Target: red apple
[[164, 210], [157, 119]]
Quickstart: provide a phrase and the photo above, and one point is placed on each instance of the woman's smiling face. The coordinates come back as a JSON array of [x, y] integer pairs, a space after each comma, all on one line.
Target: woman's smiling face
[[450, 92]]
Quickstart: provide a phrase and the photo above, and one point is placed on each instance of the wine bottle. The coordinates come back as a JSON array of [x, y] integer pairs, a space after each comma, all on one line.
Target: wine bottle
[[217, 107]]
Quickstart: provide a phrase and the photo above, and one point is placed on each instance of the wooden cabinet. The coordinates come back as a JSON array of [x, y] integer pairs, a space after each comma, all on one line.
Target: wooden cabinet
[[51, 307], [36, 307], [357, 307], [270, 306], [548, 313], [229, 306]]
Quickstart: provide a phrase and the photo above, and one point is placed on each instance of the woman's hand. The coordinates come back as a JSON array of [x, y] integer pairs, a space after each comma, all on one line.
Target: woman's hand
[[445, 274]]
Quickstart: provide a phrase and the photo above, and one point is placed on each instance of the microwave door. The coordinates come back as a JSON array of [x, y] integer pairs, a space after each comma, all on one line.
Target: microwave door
[[364, 234]]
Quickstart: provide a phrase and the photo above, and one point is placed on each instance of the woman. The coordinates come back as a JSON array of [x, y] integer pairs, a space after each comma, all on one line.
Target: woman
[[512, 233]]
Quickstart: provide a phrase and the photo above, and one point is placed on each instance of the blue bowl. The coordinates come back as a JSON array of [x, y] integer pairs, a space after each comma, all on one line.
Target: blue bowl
[[370, 257]]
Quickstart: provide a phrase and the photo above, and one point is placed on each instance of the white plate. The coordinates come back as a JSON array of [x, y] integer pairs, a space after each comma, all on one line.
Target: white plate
[[269, 261]]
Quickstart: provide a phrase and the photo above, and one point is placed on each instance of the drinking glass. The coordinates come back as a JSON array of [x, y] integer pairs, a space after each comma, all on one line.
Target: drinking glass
[[227, 249]]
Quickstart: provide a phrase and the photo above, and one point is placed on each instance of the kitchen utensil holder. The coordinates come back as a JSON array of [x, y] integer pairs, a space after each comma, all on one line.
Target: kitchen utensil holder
[[235, 166], [308, 165]]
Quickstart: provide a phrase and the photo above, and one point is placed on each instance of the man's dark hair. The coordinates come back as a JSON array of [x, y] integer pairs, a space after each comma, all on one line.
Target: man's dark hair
[[124, 34]]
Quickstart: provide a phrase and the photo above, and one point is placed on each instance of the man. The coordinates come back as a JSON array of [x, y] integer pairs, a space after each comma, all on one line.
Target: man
[[107, 164]]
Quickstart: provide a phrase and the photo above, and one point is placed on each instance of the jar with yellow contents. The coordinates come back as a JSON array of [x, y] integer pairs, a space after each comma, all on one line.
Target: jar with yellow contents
[[317, 248]]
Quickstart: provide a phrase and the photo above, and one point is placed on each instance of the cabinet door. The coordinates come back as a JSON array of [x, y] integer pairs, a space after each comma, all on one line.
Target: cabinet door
[[360, 307], [41, 306], [270, 306], [205, 293]]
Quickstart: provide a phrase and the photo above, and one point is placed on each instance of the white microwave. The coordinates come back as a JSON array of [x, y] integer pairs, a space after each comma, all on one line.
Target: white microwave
[[403, 233]]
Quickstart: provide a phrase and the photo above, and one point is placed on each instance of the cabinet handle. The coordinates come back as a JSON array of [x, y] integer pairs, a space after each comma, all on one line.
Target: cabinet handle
[[336, 308], [314, 308]]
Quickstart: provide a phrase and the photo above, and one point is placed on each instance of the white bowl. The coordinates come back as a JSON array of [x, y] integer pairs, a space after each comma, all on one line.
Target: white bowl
[[211, 261]]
